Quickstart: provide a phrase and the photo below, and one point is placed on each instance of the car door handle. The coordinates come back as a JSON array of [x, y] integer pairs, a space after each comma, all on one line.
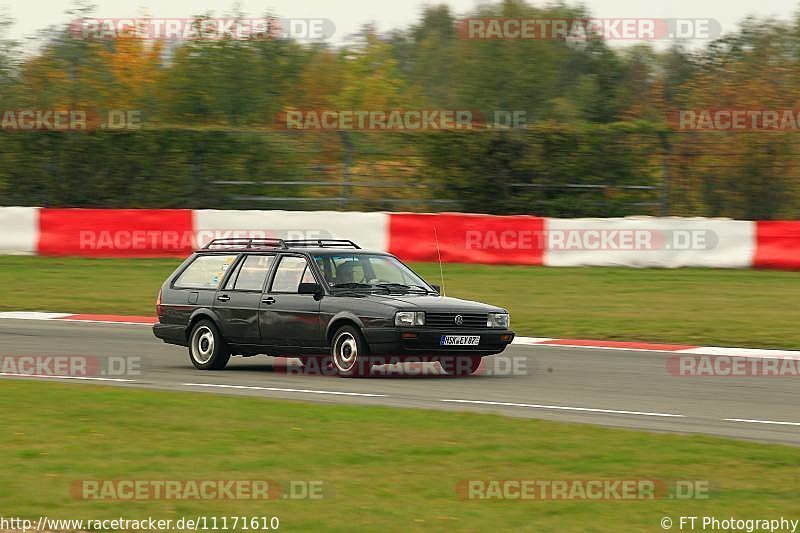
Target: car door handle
[[269, 300], [223, 297]]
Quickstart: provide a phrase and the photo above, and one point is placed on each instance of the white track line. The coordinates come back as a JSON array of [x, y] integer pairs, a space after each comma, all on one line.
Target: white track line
[[363, 394], [749, 421], [63, 318], [89, 321], [276, 389], [751, 353], [562, 408], [85, 378], [531, 341], [612, 348], [32, 315]]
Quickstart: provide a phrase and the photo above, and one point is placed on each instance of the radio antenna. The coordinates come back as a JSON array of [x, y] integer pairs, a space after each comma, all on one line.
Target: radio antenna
[[439, 254]]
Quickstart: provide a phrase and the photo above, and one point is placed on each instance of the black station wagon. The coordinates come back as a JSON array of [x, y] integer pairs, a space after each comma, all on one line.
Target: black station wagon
[[326, 299]]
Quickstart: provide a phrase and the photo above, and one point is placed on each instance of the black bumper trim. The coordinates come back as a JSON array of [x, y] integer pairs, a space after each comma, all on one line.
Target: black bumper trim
[[170, 333], [388, 341]]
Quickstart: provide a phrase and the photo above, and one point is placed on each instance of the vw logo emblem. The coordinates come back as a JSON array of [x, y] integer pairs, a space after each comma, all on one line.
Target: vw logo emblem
[[459, 320]]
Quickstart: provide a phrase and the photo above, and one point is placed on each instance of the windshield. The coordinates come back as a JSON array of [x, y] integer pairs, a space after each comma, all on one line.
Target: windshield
[[369, 271]]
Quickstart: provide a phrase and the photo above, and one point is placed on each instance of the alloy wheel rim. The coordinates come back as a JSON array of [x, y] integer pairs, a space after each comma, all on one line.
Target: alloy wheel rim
[[345, 352], [203, 345]]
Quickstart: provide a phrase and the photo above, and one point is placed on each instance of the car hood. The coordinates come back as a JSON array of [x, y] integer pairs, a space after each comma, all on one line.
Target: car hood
[[441, 304]]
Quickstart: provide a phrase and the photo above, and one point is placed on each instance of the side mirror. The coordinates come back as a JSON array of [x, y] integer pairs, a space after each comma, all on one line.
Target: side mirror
[[437, 288], [309, 288]]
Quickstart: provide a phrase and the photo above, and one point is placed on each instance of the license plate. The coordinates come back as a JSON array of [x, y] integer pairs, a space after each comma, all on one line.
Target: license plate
[[460, 340]]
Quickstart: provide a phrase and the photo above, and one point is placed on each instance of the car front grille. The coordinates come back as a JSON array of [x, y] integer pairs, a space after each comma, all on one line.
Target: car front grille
[[448, 320]]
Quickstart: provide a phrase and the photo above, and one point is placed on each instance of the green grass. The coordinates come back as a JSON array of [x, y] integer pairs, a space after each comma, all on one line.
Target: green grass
[[385, 469], [702, 306], [696, 306]]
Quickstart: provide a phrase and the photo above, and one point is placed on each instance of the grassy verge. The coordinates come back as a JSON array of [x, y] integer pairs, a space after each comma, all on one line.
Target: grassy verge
[[385, 469], [727, 307]]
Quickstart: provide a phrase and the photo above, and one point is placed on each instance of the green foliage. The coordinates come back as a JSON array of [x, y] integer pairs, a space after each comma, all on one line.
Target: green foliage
[[595, 140]]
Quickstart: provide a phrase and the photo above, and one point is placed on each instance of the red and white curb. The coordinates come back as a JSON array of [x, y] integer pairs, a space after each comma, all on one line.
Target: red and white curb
[[754, 353], [82, 317], [722, 351]]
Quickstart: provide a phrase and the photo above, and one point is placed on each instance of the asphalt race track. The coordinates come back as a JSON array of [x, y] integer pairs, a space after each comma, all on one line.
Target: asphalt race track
[[627, 389]]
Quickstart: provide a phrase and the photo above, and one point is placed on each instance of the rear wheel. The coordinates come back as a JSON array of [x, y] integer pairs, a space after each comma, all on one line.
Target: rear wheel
[[207, 348], [460, 365], [349, 353]]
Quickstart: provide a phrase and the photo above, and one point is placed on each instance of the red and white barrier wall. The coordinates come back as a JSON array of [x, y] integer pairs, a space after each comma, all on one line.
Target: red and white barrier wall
[[19, 230], [463, 238]]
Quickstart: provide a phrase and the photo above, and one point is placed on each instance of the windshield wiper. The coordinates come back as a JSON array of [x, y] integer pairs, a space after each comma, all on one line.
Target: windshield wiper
[[388, 287], [402, 287], [352, 286], [357, 286], [425, 289]]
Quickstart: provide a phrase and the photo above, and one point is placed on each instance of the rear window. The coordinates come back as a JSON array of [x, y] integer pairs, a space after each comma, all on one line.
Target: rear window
[[205, 272]]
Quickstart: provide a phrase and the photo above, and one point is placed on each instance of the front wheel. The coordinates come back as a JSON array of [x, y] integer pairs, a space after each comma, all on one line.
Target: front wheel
[[460, 365], [349, 353], [207, 348]]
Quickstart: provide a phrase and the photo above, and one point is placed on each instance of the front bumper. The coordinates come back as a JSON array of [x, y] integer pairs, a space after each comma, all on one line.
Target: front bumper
[[390, 341]]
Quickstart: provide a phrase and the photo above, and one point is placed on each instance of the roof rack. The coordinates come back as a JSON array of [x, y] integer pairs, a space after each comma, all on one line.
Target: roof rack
[[246, 243], [322, 243], [259, 243]]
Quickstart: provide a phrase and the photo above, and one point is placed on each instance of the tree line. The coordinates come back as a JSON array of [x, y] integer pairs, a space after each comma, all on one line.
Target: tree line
[[596, 138]]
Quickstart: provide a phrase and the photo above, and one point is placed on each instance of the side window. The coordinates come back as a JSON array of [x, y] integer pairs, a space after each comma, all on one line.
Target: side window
[[253, 272], [232, 278], [205, 272], [291, 271]]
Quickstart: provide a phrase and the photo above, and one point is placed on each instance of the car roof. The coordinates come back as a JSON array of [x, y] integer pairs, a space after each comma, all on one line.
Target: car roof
[[242, 244], [303, 246], [329, 251], [304, 250], [260, 246]]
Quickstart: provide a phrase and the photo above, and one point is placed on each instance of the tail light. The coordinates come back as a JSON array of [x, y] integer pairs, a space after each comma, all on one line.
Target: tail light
[[159, 307]]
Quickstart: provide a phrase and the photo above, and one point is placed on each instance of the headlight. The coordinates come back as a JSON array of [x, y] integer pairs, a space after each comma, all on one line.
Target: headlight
[[498, 320], [409, 318]]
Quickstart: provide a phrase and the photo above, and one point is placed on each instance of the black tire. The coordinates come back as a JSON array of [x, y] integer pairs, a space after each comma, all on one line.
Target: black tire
[[460, 365], [349, 353], [207, 348]]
